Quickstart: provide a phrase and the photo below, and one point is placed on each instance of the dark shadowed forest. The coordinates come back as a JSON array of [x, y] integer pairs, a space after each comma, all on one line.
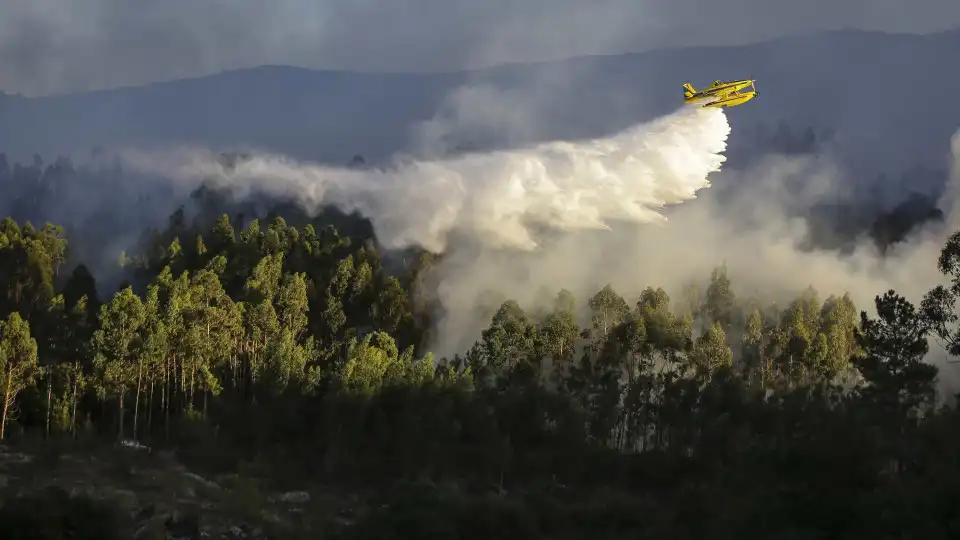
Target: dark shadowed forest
[[287, 351]]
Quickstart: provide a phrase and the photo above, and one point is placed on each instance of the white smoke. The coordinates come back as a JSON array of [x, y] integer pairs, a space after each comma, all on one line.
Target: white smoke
[[523, 224], [500, 198]]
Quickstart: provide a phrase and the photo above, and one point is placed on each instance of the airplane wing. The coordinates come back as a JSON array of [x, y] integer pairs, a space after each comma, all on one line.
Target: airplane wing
[[721, 94]]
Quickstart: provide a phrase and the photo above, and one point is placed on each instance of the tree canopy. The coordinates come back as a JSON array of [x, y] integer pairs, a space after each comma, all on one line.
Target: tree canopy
[[292, 337]]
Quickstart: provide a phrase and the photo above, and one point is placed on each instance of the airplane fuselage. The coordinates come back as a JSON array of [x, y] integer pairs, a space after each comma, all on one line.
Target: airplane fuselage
[[732, 100], [722, 93], [724, 88]]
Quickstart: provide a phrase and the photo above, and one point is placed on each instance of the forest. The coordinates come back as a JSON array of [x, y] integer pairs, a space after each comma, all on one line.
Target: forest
[[237, 336]]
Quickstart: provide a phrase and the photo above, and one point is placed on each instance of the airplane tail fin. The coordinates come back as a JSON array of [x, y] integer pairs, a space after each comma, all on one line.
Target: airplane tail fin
[[688, 90]]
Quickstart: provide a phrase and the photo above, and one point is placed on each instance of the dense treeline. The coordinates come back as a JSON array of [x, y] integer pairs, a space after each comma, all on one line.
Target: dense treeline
[[247, 338]]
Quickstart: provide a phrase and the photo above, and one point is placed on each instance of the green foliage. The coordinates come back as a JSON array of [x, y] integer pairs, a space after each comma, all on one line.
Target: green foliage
[[616, 416]]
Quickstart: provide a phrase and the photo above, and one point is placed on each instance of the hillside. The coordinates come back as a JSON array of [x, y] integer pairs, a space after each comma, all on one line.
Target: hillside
[[194, 355], [826, 80]]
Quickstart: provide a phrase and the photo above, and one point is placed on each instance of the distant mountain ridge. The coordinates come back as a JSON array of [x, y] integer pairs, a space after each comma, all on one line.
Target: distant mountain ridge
[[887, 97]]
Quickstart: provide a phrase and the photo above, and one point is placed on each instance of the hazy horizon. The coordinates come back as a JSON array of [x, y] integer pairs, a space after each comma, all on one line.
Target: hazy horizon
[[50, 47]]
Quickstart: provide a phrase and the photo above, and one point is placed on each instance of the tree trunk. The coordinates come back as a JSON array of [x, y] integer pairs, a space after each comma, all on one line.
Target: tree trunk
[[120, 400], [49, 399], [150, 410], [166, 409], [163, 386], [136, 400], [6, 404], [73, 404], [183, 387]]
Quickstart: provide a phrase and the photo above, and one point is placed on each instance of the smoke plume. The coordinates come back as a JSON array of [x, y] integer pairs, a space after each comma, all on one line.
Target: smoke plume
[[523, 224], [501, 199]]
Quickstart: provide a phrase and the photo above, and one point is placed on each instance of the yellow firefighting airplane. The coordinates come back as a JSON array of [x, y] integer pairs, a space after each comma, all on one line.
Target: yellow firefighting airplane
[[722, 93]]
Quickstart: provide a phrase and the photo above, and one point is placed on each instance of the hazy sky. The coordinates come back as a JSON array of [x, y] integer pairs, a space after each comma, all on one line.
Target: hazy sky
[[50, 46]]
